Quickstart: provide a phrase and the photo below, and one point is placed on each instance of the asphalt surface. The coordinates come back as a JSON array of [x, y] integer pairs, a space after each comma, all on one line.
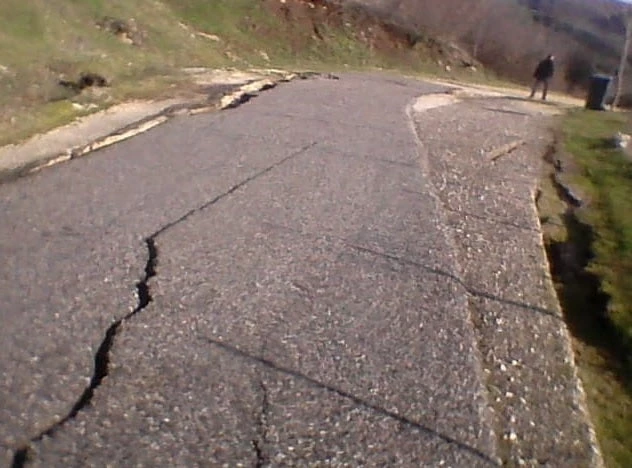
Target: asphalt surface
[[292, 282]]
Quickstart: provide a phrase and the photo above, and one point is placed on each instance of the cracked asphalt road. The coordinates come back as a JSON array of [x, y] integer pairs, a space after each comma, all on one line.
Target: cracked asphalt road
[[282, 284]]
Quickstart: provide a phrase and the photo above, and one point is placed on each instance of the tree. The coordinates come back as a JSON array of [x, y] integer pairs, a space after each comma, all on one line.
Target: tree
[[578, 71], [624, 57], [483, 18]]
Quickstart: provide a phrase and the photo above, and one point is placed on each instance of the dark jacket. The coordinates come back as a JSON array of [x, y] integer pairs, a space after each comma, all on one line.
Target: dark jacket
[[544, 70]]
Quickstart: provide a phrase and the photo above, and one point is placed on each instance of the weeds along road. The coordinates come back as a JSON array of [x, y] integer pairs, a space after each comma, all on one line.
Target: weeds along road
[[334, 273]]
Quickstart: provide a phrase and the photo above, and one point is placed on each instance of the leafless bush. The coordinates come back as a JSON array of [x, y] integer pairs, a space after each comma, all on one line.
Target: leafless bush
[[504, 35]]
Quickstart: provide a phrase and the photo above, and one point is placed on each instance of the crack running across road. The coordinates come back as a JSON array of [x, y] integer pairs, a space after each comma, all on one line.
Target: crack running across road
[[102, 356]]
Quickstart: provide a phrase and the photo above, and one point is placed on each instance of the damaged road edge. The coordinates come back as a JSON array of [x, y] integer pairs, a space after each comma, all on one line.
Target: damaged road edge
[[238, 96]]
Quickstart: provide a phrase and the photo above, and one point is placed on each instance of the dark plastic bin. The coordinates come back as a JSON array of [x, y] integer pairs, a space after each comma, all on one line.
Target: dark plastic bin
[[597, 92]]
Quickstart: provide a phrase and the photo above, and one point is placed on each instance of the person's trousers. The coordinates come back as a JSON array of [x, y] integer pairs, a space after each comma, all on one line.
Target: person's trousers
[[536, 85]]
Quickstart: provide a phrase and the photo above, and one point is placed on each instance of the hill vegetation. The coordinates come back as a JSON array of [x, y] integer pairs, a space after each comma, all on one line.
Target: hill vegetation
[[509, 37], [138, 49]]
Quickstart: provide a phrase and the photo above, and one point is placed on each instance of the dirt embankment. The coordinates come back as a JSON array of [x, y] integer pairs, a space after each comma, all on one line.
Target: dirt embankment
[[368, 27]]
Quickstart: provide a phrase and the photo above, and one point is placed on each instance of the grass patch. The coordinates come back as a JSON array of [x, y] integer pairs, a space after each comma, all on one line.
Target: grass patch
[[50, 115], [590, 249], [606, 175]]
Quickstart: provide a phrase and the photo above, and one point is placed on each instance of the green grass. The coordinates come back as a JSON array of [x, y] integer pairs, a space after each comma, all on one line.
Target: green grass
[[50, 115], [598, 300], [606, 174]]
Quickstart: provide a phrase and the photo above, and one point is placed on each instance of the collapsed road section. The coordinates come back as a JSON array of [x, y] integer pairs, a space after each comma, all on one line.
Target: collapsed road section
[[342, 278]]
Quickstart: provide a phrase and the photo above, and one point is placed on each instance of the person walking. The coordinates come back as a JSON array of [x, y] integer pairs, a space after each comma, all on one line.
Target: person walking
[[542, 74]]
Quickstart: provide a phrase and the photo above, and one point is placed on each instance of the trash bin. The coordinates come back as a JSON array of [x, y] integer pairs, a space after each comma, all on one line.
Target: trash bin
[[597, 92]]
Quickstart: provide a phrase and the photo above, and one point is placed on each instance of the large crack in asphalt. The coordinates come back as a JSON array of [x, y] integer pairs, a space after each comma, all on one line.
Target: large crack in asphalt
[[102, 356], [262, 426]]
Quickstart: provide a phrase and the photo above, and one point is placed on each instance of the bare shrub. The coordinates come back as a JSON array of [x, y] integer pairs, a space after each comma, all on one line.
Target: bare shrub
[[510, 37]]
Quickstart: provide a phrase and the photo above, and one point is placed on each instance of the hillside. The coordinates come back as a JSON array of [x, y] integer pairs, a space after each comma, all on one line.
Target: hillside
[[509, 37], [598, 26], [138, 49]]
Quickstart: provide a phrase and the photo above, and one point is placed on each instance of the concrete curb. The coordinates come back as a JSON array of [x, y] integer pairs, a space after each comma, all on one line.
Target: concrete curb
[[33, 158]]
